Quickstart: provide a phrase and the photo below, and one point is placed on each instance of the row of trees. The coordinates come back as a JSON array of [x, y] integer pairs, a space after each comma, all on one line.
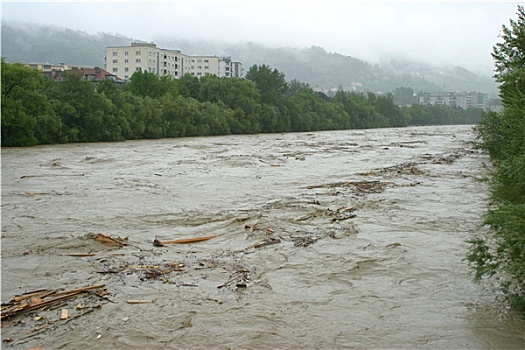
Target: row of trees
[[502, 135], [37, 110]]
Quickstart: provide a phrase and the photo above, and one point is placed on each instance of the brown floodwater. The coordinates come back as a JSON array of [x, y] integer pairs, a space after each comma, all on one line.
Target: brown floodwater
[[340, 239]]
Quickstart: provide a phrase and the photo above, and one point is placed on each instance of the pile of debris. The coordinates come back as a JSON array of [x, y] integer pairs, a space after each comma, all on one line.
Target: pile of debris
[[51, 308]]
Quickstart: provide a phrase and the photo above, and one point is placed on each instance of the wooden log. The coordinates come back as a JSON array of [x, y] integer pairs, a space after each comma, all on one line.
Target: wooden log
[[82, 255], [264, 243], [39, 293], [187, 240], [80, 290], [109, 240], [139, 301]]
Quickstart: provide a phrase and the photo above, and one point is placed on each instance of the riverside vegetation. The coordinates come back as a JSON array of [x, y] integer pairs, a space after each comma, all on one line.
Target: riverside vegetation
[[37, 110], [502, 254]]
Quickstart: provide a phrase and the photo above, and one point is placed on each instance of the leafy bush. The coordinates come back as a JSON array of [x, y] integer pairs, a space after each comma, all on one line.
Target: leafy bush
[[503, 137]]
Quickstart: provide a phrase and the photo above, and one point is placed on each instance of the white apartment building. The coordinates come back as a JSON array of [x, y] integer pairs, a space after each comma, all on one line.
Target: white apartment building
[[123, 61], [456, 99]]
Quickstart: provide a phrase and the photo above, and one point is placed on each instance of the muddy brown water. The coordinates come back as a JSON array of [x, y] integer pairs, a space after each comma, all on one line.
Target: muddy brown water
[[347, 239]]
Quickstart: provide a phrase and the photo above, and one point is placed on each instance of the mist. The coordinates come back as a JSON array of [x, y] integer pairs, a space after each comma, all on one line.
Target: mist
[[438, 33]]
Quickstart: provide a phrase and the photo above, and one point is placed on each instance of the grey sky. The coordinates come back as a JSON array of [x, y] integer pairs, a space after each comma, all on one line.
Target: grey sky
[[451, 32]]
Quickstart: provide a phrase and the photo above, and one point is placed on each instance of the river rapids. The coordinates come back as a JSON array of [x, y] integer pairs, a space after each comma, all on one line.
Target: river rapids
[[321, 240]]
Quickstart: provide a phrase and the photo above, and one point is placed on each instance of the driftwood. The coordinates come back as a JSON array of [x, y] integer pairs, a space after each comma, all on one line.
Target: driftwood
[[139, 301], [264, 243], [83, 255], [109, 240], [158, 243], [361, 186], [37, 293], [35, 300], [63, 314]]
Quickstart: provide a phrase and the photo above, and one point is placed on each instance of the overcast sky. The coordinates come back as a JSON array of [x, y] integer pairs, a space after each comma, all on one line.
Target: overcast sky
[[437, 32]]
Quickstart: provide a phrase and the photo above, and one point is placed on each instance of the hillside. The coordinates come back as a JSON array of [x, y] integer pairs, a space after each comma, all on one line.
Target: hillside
[[315, 66]]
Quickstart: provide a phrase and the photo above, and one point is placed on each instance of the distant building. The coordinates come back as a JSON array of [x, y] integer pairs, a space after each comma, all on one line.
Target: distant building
[[123, 61], [55, 72], [456, 99], [48, 67], [92, 74], [96, 74]]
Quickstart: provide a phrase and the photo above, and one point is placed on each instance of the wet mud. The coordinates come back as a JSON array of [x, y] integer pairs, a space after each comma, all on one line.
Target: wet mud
[[347, 239]]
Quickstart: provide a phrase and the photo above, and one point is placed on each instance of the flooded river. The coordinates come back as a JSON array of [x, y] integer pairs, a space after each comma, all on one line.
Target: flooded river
[[347, 239]]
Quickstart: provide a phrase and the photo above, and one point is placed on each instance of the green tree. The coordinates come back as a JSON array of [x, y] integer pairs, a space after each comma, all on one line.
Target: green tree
[[148, 84], [404, 96], [295, 87], [87, 115], [270, 82], [28, 117], [503, 137], [189, 86], [154, 122]]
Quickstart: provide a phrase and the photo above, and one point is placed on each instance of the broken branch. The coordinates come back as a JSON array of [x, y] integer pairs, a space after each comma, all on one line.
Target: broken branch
[[158, 243]]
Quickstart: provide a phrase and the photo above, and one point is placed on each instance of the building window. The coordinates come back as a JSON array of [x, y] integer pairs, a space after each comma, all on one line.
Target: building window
[[126, 61], [206, 61], [126, 53], [137, 60], [137, 53], [206, 67], [138, 69], [126, 77], [199, 67], [115, 69], [115, 53], [115, 61], [126, 69]]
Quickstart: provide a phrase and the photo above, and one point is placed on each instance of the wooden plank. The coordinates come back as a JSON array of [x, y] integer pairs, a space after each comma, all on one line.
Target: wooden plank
[[63, 314], [188, 240], [139, 301]]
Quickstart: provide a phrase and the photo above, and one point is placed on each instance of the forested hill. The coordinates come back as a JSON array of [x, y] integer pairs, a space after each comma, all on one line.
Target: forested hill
[[315, 66]]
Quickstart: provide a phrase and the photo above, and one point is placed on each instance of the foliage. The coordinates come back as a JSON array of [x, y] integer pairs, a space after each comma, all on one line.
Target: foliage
[[147, 84], [27, 114], [503, 137], [271, 83], [37, 110]]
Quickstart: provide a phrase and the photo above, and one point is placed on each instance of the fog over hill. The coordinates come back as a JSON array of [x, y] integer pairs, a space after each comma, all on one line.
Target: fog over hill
[[22, 42]]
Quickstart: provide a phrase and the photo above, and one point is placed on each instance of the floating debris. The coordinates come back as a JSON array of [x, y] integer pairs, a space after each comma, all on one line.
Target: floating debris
[[360, 186], [39, 299], [158, 243], [266, 242], [303, 241], [139, 301]]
